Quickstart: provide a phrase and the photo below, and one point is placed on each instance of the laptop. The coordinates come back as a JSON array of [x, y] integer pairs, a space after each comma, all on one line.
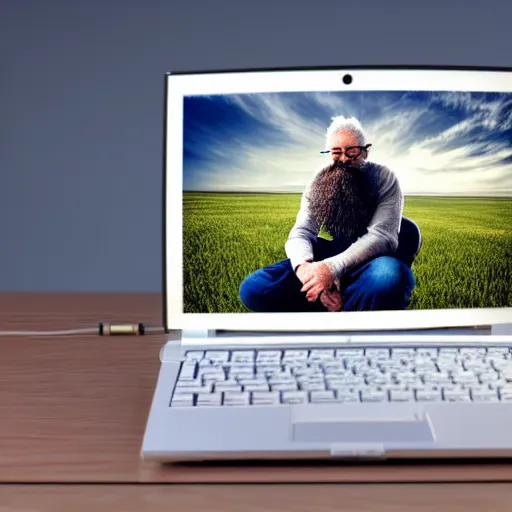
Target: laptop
[[337, 265]]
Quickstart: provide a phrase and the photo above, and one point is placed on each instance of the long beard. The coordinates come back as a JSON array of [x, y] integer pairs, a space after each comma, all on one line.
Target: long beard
[[339, 202]]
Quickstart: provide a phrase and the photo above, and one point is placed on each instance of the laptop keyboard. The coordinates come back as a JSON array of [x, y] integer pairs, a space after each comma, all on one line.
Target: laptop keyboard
[[344, 375]]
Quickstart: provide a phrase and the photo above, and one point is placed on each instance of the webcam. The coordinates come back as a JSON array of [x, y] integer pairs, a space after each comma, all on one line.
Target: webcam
[[347, 79]]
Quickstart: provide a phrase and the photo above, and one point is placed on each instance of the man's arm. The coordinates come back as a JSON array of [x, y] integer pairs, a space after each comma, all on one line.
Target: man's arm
[[382, 235], [299, 246]]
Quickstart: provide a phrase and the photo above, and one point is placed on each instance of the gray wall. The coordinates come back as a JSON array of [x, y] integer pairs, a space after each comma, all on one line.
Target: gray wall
[[81, 97]]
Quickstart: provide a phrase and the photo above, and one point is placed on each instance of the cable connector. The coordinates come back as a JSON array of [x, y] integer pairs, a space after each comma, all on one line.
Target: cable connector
[[138, 329]]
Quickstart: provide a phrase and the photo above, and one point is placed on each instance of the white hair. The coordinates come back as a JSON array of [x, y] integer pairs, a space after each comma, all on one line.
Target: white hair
[[342, 124]]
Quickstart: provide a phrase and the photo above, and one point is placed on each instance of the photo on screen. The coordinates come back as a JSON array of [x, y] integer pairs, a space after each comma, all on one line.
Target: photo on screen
[[347, 201]]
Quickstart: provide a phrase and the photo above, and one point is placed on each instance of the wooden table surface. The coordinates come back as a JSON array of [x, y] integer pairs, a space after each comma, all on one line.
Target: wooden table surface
[[73, 411]]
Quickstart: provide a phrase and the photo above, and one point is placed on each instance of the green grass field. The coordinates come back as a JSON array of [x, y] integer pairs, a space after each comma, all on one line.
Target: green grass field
[[465, 261]]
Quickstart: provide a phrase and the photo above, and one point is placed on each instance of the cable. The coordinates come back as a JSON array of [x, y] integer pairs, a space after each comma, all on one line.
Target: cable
[[69, 332], [103, 329]]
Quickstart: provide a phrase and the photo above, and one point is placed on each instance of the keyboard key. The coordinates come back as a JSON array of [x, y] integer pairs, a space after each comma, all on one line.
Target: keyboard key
[[211, 374], [377, 354], [295, 355], [489, 376], [208, 400], [182, 400], [268, 356], [267, 371], [294, 397], [253, 380], [265, 398], [189, 383], [456, 395], [348, 396], [243, 356], [194, 355], [425, 365], [406, 353], [441, 379], [473, 352], [406, 378], [227, 385], [484, 395], [353, 378], [428, 395], [321, 355], [335, 383], [216, 356], [445, 366], [499, 350], [322, 397], [374, 395], [236, 399], [350, 353], [506, 393], [256, 386], [378, 380], [238, 373], [188, 371], [193, 387], [401, 395], [427, 353], [312, 385], [315, 375], [500, 365], [204, 364], [333, 367], [284, 386], [359, 367], [465, 377], [207, 388], [281, 377]]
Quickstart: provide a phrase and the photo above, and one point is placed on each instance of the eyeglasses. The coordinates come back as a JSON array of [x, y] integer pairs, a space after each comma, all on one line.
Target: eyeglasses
[[350, 152]]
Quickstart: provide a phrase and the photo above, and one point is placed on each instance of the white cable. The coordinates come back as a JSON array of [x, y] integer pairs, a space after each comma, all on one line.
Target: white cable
[[69, 332]]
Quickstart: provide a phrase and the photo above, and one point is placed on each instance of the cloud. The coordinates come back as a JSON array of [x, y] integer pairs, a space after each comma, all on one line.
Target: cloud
[[281, 115], [452, 143]]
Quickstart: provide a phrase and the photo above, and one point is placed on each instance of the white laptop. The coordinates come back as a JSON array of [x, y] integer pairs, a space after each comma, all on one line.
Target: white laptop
[[338, 265]]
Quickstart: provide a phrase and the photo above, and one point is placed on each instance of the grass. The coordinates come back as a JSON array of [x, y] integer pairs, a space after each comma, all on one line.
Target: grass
[[465, 260]]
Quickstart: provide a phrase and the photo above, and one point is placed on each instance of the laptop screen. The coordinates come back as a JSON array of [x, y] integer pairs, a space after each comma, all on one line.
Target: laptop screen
[[338, 200]]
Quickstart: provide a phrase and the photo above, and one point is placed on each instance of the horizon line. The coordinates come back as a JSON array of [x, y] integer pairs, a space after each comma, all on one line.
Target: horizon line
[[413, 194]]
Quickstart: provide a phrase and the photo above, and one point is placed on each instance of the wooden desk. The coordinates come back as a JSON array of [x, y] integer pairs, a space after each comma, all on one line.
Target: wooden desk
[[73, 411]]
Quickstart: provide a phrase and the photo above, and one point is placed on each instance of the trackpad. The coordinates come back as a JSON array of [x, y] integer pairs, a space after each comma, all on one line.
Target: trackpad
[[362, 428]]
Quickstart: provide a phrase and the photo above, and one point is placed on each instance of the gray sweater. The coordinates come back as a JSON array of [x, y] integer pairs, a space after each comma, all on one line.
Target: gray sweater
[[382, 235]]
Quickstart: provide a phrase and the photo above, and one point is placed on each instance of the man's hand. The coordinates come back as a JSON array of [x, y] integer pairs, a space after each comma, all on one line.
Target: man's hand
[[303, 271], [318, 279], [332, 299]]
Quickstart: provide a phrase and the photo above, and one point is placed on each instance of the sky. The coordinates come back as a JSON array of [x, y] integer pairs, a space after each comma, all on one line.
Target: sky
[[436, 143]]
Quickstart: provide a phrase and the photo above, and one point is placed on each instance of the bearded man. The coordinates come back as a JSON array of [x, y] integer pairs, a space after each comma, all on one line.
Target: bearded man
[[359, 204]]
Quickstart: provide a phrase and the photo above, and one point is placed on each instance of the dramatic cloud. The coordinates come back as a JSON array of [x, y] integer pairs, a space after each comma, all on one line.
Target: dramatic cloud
[[436, 143]]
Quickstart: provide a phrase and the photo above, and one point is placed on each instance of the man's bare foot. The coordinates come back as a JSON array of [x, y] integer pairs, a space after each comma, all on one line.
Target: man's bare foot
[[332, 300]]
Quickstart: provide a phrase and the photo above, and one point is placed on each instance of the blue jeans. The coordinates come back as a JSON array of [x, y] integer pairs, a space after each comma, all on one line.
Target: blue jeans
[[384, 283]]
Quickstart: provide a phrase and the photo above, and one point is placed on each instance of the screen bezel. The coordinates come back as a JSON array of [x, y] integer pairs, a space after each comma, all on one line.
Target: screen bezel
[[181, 84]]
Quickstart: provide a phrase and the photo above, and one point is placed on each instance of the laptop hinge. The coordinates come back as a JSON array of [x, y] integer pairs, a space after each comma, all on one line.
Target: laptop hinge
[[501, 329], [198, 334]]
